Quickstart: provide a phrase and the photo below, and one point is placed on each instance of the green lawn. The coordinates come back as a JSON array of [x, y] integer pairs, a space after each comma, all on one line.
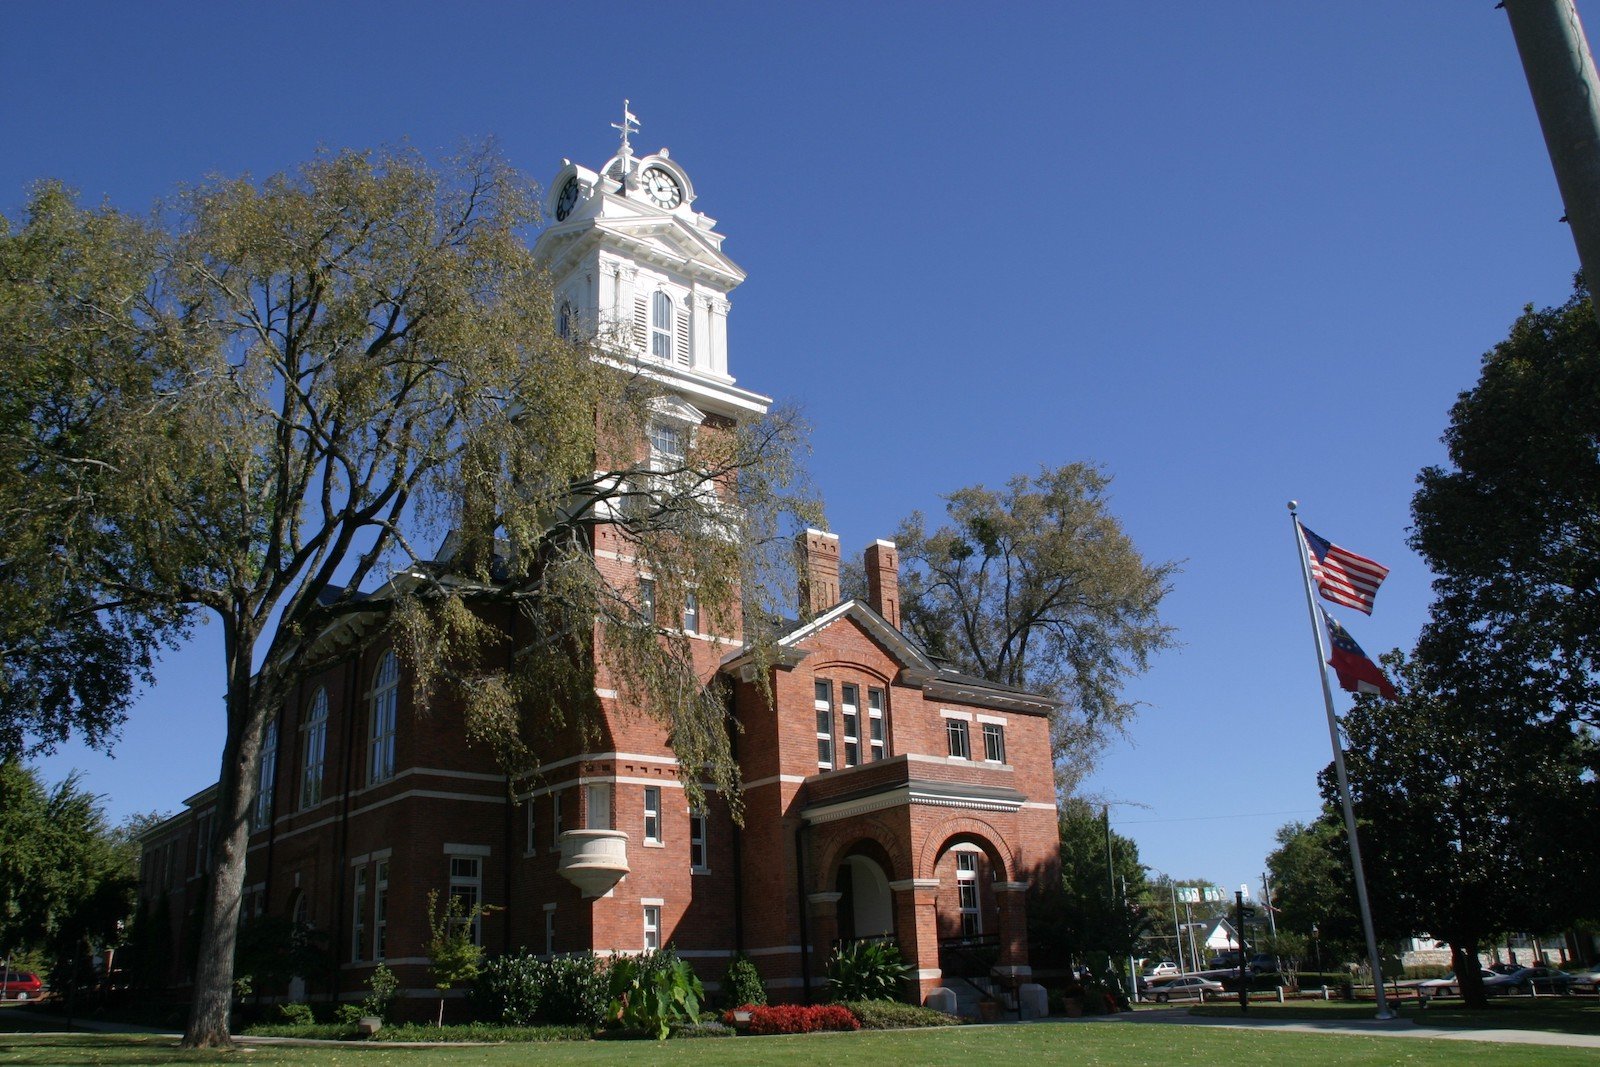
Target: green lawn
[[1063, 1043], [1561, 1015]]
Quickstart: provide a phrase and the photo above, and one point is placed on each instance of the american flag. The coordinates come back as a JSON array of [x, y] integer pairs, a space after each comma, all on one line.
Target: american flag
[[1341, 575]]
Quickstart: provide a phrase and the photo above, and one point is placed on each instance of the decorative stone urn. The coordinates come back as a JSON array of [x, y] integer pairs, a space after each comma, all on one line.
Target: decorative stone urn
[[594, 860]]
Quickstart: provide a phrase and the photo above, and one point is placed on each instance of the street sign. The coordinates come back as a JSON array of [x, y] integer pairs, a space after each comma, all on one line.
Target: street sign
[[1189, 894]]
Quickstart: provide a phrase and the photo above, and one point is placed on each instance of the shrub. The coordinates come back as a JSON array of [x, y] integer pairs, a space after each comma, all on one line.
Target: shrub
[[867, 970], [797, 1018], [297, 1014], [382, 989], [574, 991], [742, 984], [654, 992], [893, 1015], [508, 989], [484, 1032]]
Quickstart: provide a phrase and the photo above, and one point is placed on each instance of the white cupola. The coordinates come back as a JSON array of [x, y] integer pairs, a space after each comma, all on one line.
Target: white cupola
[[632, 260]]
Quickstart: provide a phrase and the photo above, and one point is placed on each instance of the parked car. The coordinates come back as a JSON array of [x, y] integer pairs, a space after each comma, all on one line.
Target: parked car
[[1505, 968], [1224, 961], [1165, 967], [1263, 963], [1448, 986], [1186, 987], [20, 985], [1525, 979], [1586, 981]]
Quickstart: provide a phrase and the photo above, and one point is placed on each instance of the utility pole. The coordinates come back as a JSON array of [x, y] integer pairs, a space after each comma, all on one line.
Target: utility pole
[[1244, 967], [1566, 96], [1272, 918]]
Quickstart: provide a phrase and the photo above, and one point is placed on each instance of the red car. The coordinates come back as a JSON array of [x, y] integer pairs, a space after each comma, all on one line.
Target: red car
[[20, 985]]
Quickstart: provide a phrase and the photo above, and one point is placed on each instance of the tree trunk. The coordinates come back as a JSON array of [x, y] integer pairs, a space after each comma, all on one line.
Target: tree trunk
[[213, 981], [1464, 958]]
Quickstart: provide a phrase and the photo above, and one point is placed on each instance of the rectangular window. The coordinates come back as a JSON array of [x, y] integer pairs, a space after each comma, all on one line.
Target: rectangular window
[[598, 796], [661, 325], [647, 600], [824, 705], [955, 731], [652, 815], [875, 722], [556, 826], [994, 742], [652, 926], [666, 445], [699, 862], [380, 912], [691, 613], [967, 887], [358, 912], [466, 886], [850, 708], [549, 929], [205, 832], [530, 846]]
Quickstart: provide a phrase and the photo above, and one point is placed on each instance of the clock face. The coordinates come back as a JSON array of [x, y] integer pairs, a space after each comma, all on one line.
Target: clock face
[[662, 188], [568, 200]]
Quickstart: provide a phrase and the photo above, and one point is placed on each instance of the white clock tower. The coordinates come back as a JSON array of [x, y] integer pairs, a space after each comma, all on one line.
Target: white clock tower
[[631, 259]]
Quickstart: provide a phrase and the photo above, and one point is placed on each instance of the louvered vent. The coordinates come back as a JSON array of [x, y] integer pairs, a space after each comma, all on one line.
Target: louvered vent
[[641, 321], [683, 337]]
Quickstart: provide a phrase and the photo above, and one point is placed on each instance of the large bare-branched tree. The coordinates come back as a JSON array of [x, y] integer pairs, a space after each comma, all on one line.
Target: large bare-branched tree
[[307, 381]]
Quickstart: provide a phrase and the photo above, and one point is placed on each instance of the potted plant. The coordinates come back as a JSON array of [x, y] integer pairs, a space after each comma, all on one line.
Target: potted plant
[[1072, 1000]]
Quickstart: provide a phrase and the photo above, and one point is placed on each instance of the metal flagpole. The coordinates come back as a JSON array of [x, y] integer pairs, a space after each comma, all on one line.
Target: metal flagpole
[[1338, 765], [1177, 926]]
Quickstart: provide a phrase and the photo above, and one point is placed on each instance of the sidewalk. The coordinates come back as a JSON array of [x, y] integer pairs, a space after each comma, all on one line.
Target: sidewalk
[[1357, 1027]]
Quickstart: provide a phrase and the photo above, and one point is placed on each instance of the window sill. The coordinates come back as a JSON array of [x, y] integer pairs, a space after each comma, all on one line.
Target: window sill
[[647, 843]]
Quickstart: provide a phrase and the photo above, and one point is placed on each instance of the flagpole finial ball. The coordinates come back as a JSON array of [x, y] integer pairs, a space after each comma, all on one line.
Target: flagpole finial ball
[[1293, 504]]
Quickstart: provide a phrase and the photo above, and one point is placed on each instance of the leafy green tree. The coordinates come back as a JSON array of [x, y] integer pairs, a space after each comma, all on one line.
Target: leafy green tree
[[72, 654], [307, 378], [66, 880], [1313, 887], [1096, 913], [453, 956], [1038, 586], [1511, 527], [1473, 821]]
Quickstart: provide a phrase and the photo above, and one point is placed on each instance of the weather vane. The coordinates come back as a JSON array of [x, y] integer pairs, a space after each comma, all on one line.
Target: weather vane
[[628, 125]]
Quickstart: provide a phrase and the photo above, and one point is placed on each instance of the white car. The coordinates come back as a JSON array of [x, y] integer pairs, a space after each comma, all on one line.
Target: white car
[[1448, 986], [1187, 987], [1162, 969]]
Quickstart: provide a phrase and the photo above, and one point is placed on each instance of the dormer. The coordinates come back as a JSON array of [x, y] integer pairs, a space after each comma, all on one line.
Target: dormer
[[634, 262]]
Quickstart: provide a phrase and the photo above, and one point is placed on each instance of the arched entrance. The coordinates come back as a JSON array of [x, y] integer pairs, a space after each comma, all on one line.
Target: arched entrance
[[866, 906]]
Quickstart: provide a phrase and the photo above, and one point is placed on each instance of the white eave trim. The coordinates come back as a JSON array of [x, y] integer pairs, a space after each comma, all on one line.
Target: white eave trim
[[929, 794]]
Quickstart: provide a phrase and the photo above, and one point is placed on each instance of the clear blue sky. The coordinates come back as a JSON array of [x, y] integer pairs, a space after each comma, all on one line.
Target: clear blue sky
[[1236, 252]]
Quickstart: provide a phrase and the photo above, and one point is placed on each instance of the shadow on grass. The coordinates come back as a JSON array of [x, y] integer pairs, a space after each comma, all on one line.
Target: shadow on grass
[[1556, 1015]]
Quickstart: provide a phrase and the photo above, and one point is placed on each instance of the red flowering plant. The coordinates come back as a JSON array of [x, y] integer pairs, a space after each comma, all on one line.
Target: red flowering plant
[[795, 1018]]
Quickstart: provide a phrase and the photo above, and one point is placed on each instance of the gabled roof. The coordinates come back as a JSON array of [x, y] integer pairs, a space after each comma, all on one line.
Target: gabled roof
[[642, 234], [916, 666]]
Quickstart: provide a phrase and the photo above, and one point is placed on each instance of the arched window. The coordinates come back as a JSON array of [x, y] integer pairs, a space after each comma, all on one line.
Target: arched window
[[315, 749], [385, 696], [564, 321], [661, 319]]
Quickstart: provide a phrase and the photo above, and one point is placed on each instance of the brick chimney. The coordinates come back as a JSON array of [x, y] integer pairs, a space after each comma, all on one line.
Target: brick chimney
[[819, 571], [883, 580]]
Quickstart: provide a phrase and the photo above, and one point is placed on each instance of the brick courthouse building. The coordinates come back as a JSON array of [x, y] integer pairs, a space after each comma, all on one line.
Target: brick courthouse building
[[884, 794]]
